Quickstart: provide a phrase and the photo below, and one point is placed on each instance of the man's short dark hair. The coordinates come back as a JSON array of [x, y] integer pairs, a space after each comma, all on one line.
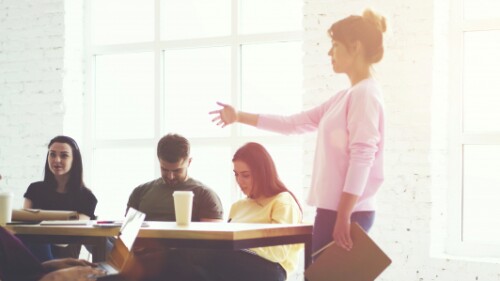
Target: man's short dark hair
[[173, 148]]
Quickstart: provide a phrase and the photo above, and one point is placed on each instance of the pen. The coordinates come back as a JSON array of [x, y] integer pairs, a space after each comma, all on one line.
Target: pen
[[105, 222]]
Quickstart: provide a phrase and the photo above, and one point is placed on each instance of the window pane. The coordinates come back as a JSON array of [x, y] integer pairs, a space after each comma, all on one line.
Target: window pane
[[271, 80], [213, 167], [481, 181], [124, 99], [481, 83], [261, 16], [195, 18], [288, 161], [195, 79], [122, 21], [116, 172], [481, 9]]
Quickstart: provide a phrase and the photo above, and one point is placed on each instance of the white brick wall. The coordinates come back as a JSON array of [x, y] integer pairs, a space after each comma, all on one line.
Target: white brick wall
[[413, 77], [40, 77], [41, 87]]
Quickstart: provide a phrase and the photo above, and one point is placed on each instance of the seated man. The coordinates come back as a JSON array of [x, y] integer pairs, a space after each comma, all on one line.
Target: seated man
[[155, 198]]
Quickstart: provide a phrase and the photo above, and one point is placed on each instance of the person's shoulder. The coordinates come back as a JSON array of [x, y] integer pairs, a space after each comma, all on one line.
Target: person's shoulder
[[150, 184], [333, 100], [242, 202], [366, 92], [87, 191], [36, 190], [367, 87], [37, 185], [338, 95], [285, 200], [196, 185], [284, 197], [199, 187]]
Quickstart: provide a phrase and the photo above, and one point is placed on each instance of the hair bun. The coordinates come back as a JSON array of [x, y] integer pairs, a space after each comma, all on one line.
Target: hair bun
[[377, 20]]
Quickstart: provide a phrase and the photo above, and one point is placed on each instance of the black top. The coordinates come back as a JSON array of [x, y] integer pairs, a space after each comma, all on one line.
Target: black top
[[46, 197]]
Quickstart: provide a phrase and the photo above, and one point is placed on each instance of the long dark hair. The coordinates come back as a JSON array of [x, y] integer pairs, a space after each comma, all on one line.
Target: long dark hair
[[266, 182], [75, 181]]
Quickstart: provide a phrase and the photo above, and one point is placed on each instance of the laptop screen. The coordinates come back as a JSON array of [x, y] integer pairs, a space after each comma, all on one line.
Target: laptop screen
[[131, 226], [122, 246]]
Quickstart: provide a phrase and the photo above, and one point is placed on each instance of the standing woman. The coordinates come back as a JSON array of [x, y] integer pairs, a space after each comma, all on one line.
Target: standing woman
[[348, 163], [62, 188]]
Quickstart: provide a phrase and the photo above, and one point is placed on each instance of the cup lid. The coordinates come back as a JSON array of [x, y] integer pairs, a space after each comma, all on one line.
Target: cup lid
[[183, 192], [5, 193]]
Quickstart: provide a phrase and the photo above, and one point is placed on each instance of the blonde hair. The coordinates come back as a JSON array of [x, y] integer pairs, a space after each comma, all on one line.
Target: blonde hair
[[366, 29], [377, 20]]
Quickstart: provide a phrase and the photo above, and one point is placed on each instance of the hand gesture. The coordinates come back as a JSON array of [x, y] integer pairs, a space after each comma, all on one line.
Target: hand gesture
[[224, 116]]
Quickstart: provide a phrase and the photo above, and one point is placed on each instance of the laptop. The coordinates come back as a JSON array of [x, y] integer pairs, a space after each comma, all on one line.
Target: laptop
[[122, 245], [364, 262]]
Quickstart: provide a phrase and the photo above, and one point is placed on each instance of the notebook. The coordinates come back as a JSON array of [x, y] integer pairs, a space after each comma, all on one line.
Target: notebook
[[364, 262], [122, 246], [64, 222]]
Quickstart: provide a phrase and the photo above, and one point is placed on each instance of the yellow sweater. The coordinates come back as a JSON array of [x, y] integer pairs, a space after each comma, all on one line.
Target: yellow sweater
[[280, 208]]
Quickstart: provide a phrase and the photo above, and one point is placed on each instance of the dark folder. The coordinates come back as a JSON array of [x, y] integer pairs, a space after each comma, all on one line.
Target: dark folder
[[364, 262]]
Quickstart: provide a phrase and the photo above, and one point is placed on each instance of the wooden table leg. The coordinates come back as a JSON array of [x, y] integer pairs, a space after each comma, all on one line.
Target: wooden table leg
[[308, 252]]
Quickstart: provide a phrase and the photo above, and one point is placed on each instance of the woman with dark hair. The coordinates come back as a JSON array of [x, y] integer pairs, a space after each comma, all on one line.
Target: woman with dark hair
[[17, 263], [267, 201], [348, 162], [62, 188]]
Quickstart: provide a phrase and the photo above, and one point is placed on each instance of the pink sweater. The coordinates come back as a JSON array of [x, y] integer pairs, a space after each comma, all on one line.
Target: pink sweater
[[349, 146]]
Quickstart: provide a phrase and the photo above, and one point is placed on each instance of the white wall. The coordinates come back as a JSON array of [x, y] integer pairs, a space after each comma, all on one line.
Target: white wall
[[41, 78], [413, 75]]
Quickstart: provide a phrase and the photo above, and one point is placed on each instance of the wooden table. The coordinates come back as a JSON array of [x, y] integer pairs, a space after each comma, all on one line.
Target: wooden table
[[207, 235]]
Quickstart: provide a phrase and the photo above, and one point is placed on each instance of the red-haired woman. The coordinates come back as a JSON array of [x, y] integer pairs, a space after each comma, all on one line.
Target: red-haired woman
[[267, 201]]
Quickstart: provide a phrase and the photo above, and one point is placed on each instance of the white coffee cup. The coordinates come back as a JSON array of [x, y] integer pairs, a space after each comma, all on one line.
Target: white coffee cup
[[183, 203], [5, 207]]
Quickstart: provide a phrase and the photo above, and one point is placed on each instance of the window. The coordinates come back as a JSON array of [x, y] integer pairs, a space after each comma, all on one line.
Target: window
[[159, 66], [475, 141]]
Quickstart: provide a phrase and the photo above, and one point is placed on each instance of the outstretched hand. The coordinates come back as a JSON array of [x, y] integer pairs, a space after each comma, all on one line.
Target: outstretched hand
[[224, 116]]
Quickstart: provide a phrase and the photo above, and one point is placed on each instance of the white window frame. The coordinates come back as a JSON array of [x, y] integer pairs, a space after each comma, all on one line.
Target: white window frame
[[158, 46], [456, 245]]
